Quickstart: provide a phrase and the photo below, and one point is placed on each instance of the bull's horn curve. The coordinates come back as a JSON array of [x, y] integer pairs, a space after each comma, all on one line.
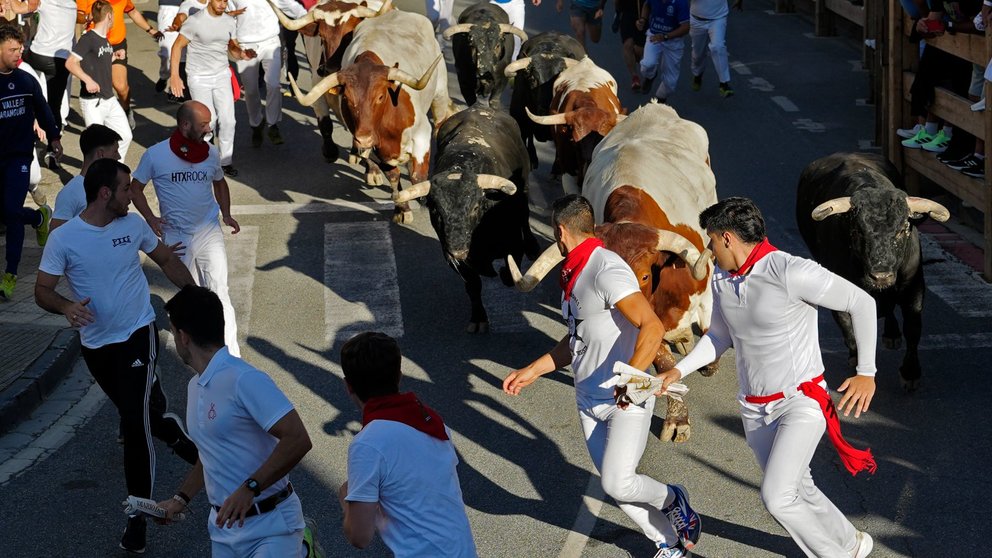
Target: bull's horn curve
[[621, 118], [323, 86], [512, 30], [569, 62], [513, 67], [835, 206], [920, 206], [385, 7], [412, 192], [365, 11], [292, 24], [396, 74], [559, 119], [544, 264], [679, 245], [493, 182], [455, 29]]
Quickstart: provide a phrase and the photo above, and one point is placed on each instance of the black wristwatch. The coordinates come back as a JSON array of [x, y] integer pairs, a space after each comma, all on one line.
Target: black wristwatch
[[252, 485]]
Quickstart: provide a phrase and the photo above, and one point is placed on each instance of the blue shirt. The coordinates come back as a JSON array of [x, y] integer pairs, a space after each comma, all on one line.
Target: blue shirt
[[667, 15], [21, 102]]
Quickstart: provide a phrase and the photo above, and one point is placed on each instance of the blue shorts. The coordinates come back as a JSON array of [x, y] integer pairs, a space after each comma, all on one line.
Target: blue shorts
[[585, 14]]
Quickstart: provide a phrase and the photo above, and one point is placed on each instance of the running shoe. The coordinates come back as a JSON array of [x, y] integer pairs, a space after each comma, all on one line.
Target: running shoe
[[646, 85], [864, 546], [907, 133], [671, 552], [635, 84], [183, 446], [51, 162], [979, 106], [274, 136], [659, 100], [133, 539], [975, 171], [684, 519], [256, 135], [917, 141], [726, 90], [130, 120], [229, 170], [949, 157], [7, 285], [966, 162], [938, 144], [311, 546], [45, 227], [697, 82]]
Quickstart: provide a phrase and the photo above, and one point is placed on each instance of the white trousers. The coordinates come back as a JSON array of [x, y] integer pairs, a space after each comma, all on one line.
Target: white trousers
[[206, 259], [215, 92], [313, 47], [784, 448], [109, 113], [269, 58], [514, 9], [439, 12], [668, 55], [616, 439], [713, 34], [274, 534], [165, 16]]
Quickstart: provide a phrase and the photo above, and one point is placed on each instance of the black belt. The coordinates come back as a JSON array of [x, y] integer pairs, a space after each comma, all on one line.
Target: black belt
[[268, 504]]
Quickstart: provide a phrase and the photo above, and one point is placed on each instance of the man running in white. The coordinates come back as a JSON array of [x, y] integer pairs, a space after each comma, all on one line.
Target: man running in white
[[210, 36], [191, 190], [609, 320], [708, 29], [96, 142], [667, 23], [765, 308]]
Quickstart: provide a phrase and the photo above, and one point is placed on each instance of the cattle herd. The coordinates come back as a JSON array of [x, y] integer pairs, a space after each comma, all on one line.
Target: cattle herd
[[647, 174]]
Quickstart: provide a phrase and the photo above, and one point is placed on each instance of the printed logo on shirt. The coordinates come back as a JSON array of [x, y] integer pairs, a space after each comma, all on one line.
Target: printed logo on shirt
[[671, 10], [10, 86], [137, 363], [190, 176], [105, 50], [24, 168], [122, 241], [212, 413], [10, 108]]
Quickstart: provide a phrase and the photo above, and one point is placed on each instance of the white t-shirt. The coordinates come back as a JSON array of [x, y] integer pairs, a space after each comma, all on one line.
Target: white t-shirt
[[190, 7], [71, 199], [230, 408], [185, 190], [208, 37], [56, 28], [709, 9], [258, 23], [600, 334], [413, 478], [769, 317], [102, 263]]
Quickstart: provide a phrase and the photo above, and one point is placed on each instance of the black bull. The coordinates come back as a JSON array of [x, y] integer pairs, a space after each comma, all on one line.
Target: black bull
[[482, 46], [872, 242]]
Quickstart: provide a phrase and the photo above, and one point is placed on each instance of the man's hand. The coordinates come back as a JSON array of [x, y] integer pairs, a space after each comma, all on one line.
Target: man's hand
[[56, 145], [235, 507], [559, 6], [179, 249], [599, 14], [176, 86], [92, 86], [236, 13], [657, 38], [156, 224], [537, 2], [77, 314], [640, 23], [38, 131], [342, 493], [157, 35], [668, 377], [248, 54], [119, 54], [858, 391], [233, 223], [171, 507], [519, 379]]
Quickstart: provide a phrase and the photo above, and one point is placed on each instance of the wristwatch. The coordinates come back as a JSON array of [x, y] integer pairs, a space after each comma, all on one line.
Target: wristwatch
[[252, 485]]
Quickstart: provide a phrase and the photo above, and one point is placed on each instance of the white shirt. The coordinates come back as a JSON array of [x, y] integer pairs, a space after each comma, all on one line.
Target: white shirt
[[769, 316], [600, 334], [185, 190], [709, 9], [71, 199], [412, 476], [190, 7], [230, 408], [102, 264], [258, 23], [208, 37], [56, 28]]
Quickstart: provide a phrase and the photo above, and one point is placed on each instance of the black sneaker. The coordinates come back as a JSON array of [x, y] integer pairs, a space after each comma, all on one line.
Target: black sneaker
[[726, 90], [229, 170], [949, 157], [134, 535], [975, 169], [697, 82], [646, 85], [183, 446], [968, 161], [256, 135], [274, 136]]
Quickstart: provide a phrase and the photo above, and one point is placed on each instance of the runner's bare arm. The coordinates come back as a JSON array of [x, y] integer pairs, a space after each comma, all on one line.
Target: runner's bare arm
[[359, 519], [651, 333], [76, 313], [559, 357], [171, 265]]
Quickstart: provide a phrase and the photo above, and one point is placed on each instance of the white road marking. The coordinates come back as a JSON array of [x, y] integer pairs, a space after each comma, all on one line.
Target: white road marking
[[241, 250], [361, 288], [785, 104], [328, 206], [761, 84], [592, 504], [857, 66], [809, 125], [955, 283], [861, 103], [740, 67]]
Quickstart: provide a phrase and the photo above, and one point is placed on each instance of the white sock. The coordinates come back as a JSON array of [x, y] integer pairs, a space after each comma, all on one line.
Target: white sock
[[980, 156], [948, 131]]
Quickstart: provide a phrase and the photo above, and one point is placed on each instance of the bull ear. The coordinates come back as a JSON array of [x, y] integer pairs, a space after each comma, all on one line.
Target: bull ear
[[394, 93]]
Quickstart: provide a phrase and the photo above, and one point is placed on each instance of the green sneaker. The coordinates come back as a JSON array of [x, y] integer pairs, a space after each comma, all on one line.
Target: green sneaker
[[7, 286], [42, 230], [726, 90], [697, 82], [938, 144], [274, 136], [311, 548], [917, 141]]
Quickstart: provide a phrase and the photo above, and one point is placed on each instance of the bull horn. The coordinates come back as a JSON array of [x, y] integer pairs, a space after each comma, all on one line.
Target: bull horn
[[621, 118], [493, 182], [412, 192], [512, 30], [385, 7], [559, 119], [569, 62], [316, 92], [544, 264], [292, 24], [455, 29], [679, 245], [921, 206], [835, 206], [365, 11], [513, 67], [396, 74]]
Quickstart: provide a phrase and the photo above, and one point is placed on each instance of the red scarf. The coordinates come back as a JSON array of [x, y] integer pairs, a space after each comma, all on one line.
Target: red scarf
[[405, 408], [188, 150], [576, 259], [854, 460], [759, 251]]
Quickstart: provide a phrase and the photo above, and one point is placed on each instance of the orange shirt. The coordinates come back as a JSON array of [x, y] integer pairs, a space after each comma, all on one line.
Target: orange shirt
[[118, 32]]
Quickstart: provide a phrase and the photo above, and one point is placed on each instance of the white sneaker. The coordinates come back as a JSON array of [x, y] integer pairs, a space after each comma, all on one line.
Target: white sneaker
[[672, 552], [979, 106], [864, 545], [909, 132]]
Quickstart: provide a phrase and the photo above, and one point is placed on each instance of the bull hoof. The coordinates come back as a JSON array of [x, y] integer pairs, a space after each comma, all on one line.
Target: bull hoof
[[710, 369], [910, 385], [892, 343], [373, 178], [354, 159], [682, 348], [477, 327], [675, 431], [401, 217]]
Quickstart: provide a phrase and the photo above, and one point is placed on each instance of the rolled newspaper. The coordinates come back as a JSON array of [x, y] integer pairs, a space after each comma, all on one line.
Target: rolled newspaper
[[135, 505], [633, 387]]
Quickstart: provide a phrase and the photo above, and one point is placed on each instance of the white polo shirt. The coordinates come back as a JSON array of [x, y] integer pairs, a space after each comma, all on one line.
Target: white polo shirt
[[600, 335], [709, 9], [71, 199], [208, 37], [185, 190], [56, 28], [102, 263]]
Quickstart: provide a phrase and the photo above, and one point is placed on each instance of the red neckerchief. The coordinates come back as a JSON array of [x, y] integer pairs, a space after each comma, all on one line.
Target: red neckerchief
[[574, 262], [405, 408], [759, 251], [188, 150]]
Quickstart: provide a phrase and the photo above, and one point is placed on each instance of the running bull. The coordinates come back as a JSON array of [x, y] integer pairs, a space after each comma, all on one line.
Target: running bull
[[477, 198], [859, 224]]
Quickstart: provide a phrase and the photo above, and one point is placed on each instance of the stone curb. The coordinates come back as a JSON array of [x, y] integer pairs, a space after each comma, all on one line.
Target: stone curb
[[27, 392]]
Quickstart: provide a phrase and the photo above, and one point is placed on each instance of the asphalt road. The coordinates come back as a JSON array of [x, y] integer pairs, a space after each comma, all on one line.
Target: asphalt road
[[318, 260]]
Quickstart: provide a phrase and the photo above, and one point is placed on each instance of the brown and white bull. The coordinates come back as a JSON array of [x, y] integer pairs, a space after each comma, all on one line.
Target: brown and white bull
[[584, 109], [388, 82], [647, 183]]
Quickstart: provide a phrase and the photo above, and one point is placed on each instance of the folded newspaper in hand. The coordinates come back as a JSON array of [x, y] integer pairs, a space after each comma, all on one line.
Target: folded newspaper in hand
[[633, 386], [135, 505]]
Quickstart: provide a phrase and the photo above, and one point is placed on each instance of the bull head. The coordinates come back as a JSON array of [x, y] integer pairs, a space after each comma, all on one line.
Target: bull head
[[330, 82], [524, 63], [918, 208], [484, 181], [330, 17], [467, 27]]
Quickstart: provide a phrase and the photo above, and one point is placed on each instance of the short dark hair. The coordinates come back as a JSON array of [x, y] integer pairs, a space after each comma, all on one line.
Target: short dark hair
[[737, 215], [8, 32], [186, 112], [574, 213], [371, 364], [198, 312], [103, 172], [96, 136], [99, 10]]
